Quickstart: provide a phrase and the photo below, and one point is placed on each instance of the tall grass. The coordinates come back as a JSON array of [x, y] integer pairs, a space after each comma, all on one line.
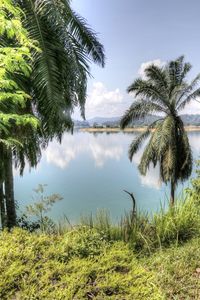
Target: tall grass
[[146, 233], [143, 232]]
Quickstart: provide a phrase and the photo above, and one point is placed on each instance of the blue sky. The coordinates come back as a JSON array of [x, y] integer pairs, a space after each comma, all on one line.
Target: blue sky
[[134, 33]]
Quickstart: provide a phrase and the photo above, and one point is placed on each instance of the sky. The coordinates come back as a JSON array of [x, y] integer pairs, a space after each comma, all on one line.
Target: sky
[[134, 34]]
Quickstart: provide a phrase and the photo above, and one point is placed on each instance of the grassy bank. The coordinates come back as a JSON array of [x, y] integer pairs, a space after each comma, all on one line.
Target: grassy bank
[[140, 258], [81, 264], [156, 258]]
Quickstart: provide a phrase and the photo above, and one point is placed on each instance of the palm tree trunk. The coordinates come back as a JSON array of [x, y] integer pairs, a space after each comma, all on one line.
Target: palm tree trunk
[[9, 191], [172, 198], [2, 207]]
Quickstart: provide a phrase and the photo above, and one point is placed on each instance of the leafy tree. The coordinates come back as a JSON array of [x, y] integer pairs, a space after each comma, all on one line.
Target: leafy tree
[[15, 54], [164, 91]]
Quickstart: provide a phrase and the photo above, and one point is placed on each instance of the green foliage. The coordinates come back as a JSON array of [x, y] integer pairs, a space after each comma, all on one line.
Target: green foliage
[[194, 192], [83, 265], [14, 60], [24, 222], [159, 261], [77, 265], [144, 233]]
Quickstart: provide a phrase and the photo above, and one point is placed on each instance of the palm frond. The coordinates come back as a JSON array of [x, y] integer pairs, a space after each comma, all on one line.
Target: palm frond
[[146, 89], [188, 89], [187, 100], [175, 71], [137, 142], [84, 35], [158, 76], [60, 69], [139, 109], [164, 90]]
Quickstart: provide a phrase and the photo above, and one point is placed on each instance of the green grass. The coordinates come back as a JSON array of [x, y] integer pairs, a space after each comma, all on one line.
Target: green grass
[[176, 270]]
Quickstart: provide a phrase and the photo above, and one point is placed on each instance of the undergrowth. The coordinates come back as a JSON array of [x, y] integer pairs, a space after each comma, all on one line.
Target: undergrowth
[[77, 265]]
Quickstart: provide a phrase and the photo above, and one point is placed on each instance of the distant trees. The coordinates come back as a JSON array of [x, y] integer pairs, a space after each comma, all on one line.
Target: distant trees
[[54, 75], [164, 91]]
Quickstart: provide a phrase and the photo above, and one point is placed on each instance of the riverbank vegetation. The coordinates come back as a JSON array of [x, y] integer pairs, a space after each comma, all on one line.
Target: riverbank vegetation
[[143, 257], [81, 264]]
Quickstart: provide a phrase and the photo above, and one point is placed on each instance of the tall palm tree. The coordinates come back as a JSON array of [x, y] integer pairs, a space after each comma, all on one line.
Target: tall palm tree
[[164, 91]]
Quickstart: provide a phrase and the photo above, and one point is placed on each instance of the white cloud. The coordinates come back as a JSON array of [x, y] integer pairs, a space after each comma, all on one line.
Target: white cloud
[[103, 102], [101, 152], [156, 62], [192, 108], [61, 155], [194, 139]]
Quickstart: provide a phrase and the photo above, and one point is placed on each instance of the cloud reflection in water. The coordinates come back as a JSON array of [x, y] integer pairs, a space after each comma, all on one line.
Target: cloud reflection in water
[[100, 149], [105, 147]]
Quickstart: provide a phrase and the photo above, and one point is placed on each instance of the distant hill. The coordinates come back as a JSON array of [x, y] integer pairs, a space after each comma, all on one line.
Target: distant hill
[[114, 121], [191, 119], [81, 124], [104, 121]]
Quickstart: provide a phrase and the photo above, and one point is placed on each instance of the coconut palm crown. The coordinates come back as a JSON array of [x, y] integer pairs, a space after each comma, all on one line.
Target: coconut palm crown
[[61, 69], [164, 91]]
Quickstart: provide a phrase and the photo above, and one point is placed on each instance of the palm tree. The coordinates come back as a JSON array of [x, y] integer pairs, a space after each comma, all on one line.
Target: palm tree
[[58, 81], [164, 91], [60, 69]]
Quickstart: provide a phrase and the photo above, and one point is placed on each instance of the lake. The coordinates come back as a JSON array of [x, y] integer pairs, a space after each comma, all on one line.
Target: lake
[[90, 171]]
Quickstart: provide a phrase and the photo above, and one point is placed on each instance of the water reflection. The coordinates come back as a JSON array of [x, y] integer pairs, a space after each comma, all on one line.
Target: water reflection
[[91, 171], [100, 149]]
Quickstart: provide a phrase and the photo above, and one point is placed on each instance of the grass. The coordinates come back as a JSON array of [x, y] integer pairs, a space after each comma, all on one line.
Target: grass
[[177, 270], [146, 234]]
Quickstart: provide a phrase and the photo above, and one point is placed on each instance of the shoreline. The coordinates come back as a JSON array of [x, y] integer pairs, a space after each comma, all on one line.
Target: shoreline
[[136, 129]]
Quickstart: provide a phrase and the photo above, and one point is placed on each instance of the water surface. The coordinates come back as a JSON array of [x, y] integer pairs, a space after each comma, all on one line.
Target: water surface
[[90, 171]]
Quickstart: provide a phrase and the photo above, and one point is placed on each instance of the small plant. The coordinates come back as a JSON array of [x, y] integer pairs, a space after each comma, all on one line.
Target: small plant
[[42, 204]]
